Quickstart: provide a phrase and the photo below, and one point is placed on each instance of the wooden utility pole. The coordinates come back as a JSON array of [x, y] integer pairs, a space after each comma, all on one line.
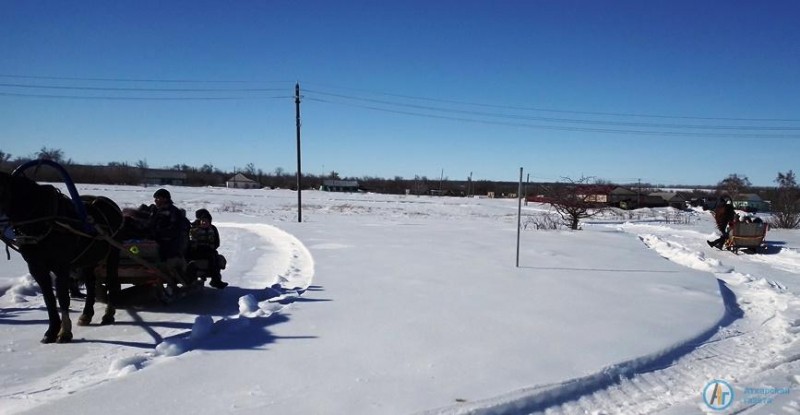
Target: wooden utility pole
[[639, 194], [299, 171]]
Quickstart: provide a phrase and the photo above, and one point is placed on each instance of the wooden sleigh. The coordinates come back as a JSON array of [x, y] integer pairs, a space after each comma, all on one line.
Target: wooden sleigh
[[748, 236], [141, 268]]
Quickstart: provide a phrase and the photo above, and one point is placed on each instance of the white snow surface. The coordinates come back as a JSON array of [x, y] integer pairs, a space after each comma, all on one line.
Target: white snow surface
[[378, 304]]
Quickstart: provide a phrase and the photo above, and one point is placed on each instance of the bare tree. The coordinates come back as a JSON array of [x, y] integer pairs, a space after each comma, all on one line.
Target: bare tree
[[733, 185], [786, 208], [52, 154], [570, 201], [4, 157]]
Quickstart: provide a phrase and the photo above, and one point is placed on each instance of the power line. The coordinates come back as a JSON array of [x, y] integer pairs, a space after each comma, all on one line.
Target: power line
[[564, 120], [130, 98], [204, 81], [598, 113], [91, 88], [441, 112], [564, 128]]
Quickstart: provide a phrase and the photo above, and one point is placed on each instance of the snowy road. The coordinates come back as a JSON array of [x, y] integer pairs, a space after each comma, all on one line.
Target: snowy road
[[754, 343]]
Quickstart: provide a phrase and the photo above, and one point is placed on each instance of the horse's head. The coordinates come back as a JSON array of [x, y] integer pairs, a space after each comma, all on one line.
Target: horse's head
[[22, 198]]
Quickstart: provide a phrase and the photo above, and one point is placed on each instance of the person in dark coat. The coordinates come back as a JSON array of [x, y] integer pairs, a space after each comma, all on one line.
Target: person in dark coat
[[724, 215], [203, 243], [166, 226]]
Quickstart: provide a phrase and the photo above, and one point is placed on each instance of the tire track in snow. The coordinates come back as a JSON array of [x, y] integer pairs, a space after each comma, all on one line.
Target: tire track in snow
[[84, 371], [757, 329]]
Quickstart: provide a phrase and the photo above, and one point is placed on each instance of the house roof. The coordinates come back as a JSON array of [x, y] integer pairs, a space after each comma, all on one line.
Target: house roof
[[595, 189], [622, 191], [669, 196], [241, 178]]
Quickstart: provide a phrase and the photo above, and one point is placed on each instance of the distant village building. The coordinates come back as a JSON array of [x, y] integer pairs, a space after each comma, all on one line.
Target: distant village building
[[676, 200], [240, 181], [750, 202], [624, 198], [163, 177], [598, 194], [339, 186]]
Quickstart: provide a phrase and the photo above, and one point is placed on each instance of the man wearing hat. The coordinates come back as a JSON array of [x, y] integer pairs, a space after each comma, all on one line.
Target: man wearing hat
[[724, 215], [167, 227]]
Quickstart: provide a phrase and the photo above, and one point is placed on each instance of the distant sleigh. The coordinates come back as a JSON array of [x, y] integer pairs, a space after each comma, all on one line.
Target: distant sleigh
[[747, 236]]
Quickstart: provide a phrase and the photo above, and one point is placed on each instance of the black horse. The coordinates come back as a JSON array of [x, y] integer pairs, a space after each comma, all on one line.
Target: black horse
[[52, 237]]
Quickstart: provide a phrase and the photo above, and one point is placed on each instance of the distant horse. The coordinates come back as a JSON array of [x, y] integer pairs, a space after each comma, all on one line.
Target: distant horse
[[52, 237]]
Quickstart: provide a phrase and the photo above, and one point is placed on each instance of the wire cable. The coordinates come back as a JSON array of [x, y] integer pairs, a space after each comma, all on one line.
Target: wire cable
[[563, 128], [564, 120], [598, 113]]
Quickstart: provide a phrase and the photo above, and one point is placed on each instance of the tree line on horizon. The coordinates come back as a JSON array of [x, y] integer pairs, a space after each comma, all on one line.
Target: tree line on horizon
[[785, 197]]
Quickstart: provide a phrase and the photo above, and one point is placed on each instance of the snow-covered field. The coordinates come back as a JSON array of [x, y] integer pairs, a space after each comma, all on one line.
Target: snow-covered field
[[405, 305]]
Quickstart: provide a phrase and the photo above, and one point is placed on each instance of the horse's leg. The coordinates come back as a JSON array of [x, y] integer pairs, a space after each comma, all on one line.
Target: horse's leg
[[42, 276], [89, 279], [62, 292], [112, 284]]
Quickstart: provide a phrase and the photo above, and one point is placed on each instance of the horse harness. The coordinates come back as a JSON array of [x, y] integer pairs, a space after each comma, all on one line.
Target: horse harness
[[22, 238]]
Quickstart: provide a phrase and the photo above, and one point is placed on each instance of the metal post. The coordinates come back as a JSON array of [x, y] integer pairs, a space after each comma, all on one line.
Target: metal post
[[299, 171], [519, 212], [527, 181]]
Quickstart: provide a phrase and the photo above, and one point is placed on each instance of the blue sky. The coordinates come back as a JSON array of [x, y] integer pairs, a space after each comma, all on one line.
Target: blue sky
[[670, 92]]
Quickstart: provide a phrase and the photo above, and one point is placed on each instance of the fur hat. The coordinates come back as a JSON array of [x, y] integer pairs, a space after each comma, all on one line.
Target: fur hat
[[202, 214], [162, 193]]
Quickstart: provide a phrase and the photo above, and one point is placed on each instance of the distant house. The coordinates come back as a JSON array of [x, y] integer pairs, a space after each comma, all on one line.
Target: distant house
[[162, 177], [624, 198], [652, 200], [676, 200], [339, 186], [750, 202], [240, 181], [599, 194]]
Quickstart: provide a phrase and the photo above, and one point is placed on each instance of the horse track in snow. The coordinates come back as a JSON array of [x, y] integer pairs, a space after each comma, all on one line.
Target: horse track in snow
[[754, 344]]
